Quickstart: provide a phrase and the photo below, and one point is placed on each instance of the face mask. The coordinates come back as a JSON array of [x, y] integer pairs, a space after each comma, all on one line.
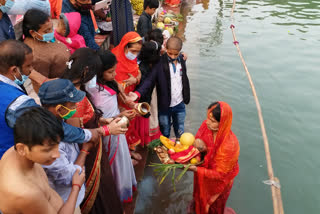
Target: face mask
[[130, 56], [92, 83], [69, 114], [172, 59], [23, 77], [48, 37], [8, 5]]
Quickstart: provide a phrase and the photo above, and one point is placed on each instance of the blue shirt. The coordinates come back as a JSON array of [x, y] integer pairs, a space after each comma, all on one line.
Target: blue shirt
[[61, 171], [86, 28], [6, 28], [23, 103]]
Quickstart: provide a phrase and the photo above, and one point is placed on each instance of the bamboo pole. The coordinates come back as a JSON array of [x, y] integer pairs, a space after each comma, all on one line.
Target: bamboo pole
[[275, 191]]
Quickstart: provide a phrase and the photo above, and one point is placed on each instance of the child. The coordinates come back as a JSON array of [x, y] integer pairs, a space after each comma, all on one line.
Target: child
[[37, 134], [144, 23], [60, 98], [105, 97], [173, 90], [67, 31]]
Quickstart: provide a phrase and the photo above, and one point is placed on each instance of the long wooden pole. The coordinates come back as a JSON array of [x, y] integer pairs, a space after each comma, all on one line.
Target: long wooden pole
[[275, 191]]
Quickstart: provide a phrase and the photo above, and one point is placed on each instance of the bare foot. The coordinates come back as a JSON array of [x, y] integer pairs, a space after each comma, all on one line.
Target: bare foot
[[136, 155]]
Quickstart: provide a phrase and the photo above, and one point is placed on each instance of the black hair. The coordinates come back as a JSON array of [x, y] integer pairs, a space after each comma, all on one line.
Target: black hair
[[155, 35], [11, 55], [84, 64], [216, 112], [151, 4], [150, 52], [108, 60], [32, 20], [175, 43], [36, 125], [26, 48], [129, 45]]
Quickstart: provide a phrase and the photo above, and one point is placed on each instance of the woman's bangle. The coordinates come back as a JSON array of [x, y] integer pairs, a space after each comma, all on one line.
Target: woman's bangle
[[78, 185], [106, 130], [84, 151]]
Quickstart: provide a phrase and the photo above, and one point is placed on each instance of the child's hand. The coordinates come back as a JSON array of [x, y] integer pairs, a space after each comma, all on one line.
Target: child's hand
[[115, 127], [130, 114], [131, 97], [131, 81], [185, 56], [79, 178]]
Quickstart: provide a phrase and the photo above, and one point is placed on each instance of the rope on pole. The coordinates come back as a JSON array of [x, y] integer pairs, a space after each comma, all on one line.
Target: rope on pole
[[273, 182]]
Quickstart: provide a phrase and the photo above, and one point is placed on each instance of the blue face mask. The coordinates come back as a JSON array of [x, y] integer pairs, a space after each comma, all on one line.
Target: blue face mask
[[8, 5], [48, 37], [21, 82], [131, 56]]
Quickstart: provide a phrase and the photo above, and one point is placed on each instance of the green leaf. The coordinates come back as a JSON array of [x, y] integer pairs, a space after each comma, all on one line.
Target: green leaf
[[183, 172]]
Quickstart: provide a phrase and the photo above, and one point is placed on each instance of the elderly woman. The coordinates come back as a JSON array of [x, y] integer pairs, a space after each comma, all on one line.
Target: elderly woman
[[49, 56], [213, 179]]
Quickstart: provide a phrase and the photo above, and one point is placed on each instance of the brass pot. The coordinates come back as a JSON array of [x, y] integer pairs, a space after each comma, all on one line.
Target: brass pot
[[124, 122], [143, 108]]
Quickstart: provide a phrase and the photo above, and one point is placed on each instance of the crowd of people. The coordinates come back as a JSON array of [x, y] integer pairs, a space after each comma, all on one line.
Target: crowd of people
[[65, 148]]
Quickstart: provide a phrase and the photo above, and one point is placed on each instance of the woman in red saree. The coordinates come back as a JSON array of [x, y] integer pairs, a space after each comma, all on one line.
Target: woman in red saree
[[129, 76], [213, 179]]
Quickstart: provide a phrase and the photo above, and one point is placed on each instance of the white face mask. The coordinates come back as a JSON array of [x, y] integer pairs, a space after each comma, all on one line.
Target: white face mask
[[92, 83], [131, 56]]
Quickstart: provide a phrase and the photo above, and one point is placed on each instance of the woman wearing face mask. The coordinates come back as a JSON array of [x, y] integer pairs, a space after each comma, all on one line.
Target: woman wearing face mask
[[49, 55], [129, 76]]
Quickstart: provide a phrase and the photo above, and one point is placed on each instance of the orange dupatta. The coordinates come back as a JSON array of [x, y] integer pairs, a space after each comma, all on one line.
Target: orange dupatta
[[126, 66], [214, 178]]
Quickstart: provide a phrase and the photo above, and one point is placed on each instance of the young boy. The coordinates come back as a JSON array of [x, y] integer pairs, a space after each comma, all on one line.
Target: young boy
[[24, 185], [173, 89], [60, 97], [144, 23]]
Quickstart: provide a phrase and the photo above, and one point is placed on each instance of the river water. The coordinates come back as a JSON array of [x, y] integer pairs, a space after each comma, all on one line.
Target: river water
[[280, 42]]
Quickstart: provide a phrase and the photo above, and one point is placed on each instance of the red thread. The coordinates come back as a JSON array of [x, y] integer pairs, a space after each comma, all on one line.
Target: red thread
[[232, 26], [236, 43]]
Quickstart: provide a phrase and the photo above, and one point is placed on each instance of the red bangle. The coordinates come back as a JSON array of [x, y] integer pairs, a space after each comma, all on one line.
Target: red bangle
[[84, 151], [106, 130], [78, 185]]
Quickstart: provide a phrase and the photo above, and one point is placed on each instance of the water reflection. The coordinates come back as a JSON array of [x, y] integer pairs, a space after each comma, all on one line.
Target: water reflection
[[285, 12]]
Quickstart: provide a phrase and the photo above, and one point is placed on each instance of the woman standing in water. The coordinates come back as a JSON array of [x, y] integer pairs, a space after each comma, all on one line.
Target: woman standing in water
[[213, 179]]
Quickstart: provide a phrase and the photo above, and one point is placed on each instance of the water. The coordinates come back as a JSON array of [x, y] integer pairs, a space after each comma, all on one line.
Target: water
[[280, 42]]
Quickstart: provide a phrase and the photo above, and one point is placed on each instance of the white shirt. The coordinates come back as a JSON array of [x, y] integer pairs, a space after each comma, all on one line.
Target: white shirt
[[176, 84]]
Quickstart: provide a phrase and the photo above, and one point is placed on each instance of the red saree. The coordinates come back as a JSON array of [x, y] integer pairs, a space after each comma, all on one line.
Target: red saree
[[214, 178], [124, 68]]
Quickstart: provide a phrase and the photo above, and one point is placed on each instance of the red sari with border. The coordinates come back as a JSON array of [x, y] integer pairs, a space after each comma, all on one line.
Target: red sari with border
[[214, 178], [124, 68]]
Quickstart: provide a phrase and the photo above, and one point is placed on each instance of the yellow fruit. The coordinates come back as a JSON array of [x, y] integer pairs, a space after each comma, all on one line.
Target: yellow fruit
[[167, 20], [187, 139], [194, 161], [160, 25]]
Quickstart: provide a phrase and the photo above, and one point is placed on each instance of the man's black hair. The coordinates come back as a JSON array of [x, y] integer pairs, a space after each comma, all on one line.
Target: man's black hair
[[11, 55], [151, 4], [36, 125]]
